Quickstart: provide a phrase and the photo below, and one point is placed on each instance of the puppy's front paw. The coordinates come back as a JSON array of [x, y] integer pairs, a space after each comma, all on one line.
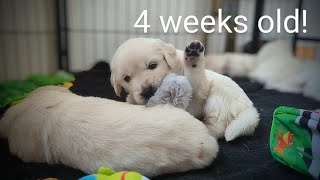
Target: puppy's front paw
[[194, 53]]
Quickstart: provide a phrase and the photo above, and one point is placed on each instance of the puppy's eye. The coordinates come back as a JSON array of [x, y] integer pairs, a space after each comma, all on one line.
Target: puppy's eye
[[127, 78], [152, 66]]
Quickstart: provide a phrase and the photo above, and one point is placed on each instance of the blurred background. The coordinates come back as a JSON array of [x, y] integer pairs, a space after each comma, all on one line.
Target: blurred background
[[43, 36]]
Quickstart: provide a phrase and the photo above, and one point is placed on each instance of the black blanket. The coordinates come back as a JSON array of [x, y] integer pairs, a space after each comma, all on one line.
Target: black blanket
[[243, 158]]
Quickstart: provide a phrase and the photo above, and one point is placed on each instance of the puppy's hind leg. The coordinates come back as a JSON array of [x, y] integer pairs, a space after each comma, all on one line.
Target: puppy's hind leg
[[194, 66], [194, 70], [216, 116]]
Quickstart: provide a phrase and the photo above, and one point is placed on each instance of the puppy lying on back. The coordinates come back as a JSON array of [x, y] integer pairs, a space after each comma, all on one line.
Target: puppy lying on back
[[55, 126], [139, 66]]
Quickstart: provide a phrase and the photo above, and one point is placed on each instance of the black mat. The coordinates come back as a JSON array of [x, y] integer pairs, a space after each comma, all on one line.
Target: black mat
[[244, 158]]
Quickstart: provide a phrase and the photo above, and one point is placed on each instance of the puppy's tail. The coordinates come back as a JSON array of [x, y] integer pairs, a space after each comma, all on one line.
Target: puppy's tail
[[244, 124]]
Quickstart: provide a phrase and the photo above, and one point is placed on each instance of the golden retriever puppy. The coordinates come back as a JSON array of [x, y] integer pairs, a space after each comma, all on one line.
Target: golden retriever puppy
[[55, 126], [274, 65], [139, 65]]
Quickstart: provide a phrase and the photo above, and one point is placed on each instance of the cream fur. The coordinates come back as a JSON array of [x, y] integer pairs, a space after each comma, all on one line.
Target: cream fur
[[217, 98], [55, 126]]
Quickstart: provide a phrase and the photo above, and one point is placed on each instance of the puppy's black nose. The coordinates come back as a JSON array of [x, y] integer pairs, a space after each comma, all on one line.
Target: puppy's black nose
[[148, 92]]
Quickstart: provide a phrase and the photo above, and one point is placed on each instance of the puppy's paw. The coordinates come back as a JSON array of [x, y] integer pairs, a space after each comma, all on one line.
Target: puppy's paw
[[194, 49], [194, 53]]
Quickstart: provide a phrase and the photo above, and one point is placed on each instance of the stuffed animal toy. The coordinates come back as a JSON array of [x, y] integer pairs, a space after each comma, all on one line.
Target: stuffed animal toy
[[108, 174], [174, 90]]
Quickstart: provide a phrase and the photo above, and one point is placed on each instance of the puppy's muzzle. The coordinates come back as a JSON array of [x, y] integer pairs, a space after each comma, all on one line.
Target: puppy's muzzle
[[148, 92]]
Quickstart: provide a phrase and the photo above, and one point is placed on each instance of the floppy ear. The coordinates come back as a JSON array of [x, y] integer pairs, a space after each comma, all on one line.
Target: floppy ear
[[116, 86], [170, 54]]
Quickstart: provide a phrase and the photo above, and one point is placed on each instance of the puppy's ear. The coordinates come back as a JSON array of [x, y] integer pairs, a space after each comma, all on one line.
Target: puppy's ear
[[116, 86], [170, 54]]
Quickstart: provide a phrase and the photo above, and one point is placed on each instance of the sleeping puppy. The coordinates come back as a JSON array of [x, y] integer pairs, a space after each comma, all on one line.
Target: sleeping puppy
[[140, 64], [54, 126]]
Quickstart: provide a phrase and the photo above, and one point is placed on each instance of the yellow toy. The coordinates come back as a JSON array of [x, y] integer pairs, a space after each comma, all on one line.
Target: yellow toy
[[67, 84], [108, 174]]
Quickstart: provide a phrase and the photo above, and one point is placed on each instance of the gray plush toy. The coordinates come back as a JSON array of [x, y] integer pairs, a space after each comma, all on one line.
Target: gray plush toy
[[175, 90]]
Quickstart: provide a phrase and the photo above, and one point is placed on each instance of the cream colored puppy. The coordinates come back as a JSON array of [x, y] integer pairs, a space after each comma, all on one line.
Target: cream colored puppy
[[140, 64], [55, 126], [274, 65]]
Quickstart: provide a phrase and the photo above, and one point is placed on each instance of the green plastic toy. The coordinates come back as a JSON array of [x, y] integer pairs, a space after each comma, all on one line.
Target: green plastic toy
[[12, 92], [295, 139], [108, 174]]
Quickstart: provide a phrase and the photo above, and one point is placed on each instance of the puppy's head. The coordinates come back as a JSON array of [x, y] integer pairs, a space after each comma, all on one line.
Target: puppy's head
[[139, 66]]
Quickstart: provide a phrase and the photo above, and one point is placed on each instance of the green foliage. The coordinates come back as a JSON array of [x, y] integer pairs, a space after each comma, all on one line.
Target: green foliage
[[12, 92]]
